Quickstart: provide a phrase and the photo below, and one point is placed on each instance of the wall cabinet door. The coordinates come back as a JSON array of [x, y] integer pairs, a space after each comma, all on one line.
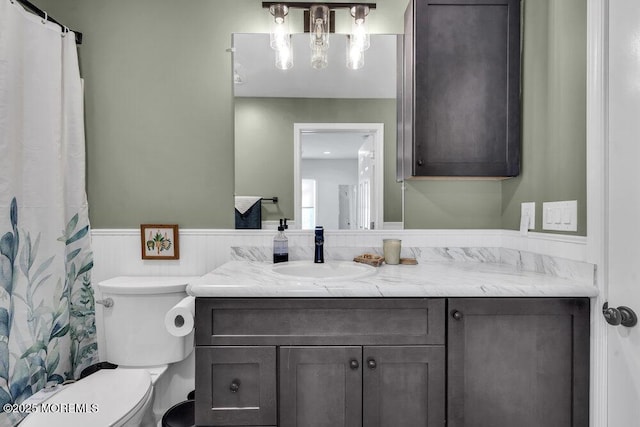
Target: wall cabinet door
[[461, 108], [518, 362], [404, 386], [320, 386]]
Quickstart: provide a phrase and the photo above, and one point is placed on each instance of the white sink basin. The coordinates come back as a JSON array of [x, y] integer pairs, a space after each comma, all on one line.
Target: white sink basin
[[331, 270]]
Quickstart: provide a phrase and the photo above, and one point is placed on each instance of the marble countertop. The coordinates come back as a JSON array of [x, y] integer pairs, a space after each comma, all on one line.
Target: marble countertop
[[246, 279]]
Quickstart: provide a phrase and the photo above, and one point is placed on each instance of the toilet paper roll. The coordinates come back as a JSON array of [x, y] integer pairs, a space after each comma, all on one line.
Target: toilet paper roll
[[179, 320]]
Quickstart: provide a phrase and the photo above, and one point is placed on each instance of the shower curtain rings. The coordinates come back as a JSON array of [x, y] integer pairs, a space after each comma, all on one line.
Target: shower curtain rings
[[65, 30], [44, 20]]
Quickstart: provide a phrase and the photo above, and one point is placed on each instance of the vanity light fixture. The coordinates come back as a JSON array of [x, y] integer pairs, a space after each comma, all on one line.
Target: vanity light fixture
[[359, 27], [319, 20], [319, 28], [280, 38], [358, 41]]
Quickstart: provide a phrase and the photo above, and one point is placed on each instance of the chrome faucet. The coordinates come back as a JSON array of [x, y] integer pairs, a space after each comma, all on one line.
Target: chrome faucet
[[319, 252]]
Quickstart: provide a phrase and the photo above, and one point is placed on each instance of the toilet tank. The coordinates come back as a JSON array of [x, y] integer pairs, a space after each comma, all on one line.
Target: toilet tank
[[134, 330]]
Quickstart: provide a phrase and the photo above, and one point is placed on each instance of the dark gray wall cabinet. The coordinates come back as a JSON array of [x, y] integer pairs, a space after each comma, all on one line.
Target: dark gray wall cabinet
[[461, 89], [432, 362]]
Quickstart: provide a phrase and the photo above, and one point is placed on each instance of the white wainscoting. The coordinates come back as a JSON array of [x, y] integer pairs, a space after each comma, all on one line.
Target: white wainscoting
[[117, 252]]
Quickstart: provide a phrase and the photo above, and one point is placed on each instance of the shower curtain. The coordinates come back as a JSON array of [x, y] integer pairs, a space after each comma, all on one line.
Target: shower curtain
[[47, 328]]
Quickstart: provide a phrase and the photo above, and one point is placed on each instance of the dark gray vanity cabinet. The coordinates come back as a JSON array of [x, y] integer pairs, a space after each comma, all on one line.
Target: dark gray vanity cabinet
[[331, 362], [392, 362], [461, 89], [518, 362]]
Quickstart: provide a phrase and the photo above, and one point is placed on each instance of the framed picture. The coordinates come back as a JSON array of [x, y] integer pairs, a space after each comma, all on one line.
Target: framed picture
[[159, 241]]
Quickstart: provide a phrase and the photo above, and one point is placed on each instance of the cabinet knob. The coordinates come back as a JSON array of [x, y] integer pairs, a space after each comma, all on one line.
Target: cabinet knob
[[235, 386], [371, 363], [457, 315], [420, 162], [353, 364]]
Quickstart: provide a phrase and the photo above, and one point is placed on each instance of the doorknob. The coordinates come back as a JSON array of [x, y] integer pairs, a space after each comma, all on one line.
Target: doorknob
[[619, 316]]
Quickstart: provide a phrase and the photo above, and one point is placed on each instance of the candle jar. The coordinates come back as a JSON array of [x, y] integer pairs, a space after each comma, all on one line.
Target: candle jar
[[391, 250]]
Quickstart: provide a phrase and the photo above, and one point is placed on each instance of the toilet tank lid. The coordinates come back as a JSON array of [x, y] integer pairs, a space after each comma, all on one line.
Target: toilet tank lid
[[142, 285]]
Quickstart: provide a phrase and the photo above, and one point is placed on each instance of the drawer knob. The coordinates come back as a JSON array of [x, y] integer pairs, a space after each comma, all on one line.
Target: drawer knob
[[353, 364], [371, 363], [457, 315], [235, 386]]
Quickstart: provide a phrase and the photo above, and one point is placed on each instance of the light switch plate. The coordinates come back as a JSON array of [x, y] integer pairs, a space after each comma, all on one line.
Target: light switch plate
[[560, 216], [529, 209]]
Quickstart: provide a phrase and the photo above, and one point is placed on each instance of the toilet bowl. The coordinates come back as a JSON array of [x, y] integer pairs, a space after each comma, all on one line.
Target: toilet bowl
[[137, 341]]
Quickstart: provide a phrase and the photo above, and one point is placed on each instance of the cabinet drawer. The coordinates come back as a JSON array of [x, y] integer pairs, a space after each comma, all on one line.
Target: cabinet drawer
[[319, 321], [235, 386]]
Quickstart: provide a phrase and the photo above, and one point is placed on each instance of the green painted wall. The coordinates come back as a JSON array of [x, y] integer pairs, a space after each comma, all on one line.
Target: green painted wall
[[554, 111], [159, 114], [264, 145]]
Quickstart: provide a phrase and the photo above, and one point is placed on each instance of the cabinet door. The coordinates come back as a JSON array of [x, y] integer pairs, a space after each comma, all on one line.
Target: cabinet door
[[404, 386], [235, 386], [518, 362], [465, 106], [320, 386]]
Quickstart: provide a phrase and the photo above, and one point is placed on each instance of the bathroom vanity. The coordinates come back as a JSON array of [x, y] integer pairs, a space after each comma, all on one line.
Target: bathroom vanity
[[436, 344]]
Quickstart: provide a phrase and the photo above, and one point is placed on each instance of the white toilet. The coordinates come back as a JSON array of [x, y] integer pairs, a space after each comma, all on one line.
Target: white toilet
[[138, 342]]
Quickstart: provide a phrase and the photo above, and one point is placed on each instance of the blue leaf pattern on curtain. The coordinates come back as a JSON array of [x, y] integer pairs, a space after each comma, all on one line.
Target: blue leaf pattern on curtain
[[68, 321]]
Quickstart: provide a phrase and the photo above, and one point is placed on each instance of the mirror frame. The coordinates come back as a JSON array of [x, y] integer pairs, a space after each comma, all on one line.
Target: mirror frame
[[376, 129]]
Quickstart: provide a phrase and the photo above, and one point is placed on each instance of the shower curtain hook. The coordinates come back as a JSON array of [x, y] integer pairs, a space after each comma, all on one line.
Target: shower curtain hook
[[65, 30], [44, 20]]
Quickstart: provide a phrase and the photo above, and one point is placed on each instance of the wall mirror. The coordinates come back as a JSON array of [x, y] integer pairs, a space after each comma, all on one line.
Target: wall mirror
[[298, 133]]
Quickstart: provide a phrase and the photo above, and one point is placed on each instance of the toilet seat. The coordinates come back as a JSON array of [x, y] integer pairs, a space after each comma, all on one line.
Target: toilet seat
[[109, 397]]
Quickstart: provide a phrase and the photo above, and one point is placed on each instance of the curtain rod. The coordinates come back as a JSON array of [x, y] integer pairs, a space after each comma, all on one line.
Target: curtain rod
[[33, 8]]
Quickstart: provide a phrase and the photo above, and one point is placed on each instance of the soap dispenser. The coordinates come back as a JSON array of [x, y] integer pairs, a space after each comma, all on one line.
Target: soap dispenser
[[281, 244]]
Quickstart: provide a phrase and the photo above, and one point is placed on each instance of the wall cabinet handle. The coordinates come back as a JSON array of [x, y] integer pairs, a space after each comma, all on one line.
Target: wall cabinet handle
[[235, 386], [457, 315], [371, 363], [353, 364]]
